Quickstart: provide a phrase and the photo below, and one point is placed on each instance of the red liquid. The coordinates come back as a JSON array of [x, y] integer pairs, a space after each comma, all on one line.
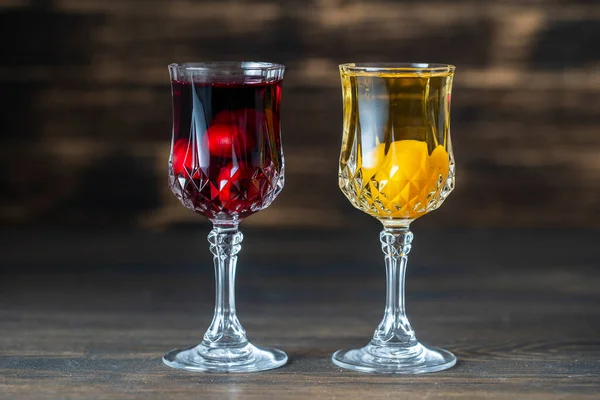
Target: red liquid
[[226, 159]]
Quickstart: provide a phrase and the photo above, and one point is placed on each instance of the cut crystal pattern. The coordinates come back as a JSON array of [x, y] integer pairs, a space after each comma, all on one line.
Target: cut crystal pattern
[[404, 185], [226, 163], [396, 164]]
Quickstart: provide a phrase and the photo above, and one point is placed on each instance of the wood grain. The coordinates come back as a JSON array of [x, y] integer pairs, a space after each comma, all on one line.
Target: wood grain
[[519, 331], [87, 104]]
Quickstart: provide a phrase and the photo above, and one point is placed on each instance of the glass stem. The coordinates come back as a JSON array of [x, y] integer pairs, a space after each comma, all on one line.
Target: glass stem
[[394, 329], [225, 329]]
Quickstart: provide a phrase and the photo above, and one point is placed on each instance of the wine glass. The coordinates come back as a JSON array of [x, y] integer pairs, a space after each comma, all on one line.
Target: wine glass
[[396, 164], [226, 163]]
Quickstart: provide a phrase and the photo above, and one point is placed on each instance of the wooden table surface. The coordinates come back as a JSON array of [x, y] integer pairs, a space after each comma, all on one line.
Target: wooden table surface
[[520, 332]]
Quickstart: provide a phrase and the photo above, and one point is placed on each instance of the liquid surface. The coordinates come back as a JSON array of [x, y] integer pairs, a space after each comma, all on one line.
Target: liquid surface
[[226, 160], [396, 161]]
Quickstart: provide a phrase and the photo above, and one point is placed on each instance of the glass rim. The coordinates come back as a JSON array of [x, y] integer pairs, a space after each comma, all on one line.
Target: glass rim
[[207, 66], [397, 67]]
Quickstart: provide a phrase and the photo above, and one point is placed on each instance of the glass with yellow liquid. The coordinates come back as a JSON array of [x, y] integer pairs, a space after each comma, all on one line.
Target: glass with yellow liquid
[[396, 165]]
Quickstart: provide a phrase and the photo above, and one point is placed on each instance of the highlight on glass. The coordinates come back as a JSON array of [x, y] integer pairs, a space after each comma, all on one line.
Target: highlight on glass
[[396, 164], [226, 164]]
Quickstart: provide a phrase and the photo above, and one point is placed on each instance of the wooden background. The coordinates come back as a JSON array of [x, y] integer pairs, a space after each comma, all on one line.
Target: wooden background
[[85, 126], [86, 111]]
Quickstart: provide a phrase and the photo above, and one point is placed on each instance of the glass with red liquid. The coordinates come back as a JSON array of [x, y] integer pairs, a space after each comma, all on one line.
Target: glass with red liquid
[[226, 163]]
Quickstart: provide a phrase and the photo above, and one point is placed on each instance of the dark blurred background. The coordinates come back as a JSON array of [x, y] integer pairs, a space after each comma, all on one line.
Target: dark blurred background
[[86, 125]]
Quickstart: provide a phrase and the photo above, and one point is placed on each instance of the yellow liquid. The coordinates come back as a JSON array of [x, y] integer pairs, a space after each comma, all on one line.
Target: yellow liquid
[[396, 161]]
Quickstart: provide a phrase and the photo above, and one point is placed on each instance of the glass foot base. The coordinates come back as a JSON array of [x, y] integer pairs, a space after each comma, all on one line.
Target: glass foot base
[[417, 359], [248, 358]]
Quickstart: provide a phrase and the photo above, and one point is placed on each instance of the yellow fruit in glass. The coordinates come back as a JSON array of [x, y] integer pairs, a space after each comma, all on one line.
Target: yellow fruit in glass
[[396, 162], [404, 178]]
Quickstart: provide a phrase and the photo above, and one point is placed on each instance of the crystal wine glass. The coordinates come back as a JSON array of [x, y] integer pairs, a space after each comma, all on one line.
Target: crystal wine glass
[[396, 165], [226, 163]]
